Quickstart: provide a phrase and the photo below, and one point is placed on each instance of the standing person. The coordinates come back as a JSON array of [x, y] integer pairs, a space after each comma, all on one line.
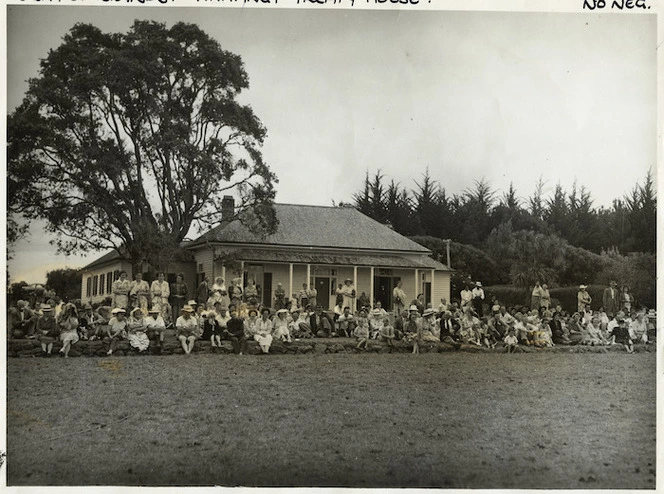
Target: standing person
[[235, 292], [179, 295], [583, 298], [68, 325], [339, 293], [203, 292], [47, 330], [160, 294], [251, 293], [186, 329], [121, 288], [139, 292], [362, 301], [312, 295], [399, 298], [466, 296], [626, 300], [611, 299], [349, 294], [536, 296], [545, 298], [279, 297], [478, 299], [303, 296], [217, 293]]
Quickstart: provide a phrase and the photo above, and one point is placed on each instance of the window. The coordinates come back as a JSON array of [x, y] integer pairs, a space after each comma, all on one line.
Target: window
[[101, 283], [116, 274], [88, 288], [109, 281], [95, 284], [200, 268]]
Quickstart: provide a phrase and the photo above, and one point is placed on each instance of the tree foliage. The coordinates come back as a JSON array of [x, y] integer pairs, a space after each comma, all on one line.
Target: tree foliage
[[65, 282], [129, 140]]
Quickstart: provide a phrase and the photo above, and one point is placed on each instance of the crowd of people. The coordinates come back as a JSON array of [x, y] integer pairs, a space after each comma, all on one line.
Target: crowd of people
[[141, 312]]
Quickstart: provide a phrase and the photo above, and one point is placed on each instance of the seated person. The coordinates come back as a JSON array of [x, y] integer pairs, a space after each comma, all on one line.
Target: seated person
[[346, 323], [156, 326], [320, 323], [387, 333]]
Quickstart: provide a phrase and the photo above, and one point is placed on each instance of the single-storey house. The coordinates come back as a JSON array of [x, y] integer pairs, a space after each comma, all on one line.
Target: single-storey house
[[320, 246]]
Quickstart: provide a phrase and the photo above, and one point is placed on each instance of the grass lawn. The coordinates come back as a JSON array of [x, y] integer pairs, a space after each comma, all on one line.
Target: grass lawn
[[363, 420]]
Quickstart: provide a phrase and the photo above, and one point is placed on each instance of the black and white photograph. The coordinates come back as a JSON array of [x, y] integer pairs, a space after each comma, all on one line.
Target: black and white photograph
[[292, 244]]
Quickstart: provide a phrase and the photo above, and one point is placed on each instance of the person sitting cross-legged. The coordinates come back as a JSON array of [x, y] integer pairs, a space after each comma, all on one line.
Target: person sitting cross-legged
[[186, 329], [346, 323]]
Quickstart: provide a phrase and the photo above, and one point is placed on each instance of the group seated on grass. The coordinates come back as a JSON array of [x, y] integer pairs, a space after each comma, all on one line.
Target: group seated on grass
[[238, 320]]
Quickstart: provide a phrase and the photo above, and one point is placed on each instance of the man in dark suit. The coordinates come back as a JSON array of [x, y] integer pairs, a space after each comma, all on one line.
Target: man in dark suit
[[610, 299], [321, 324], [448, 329]]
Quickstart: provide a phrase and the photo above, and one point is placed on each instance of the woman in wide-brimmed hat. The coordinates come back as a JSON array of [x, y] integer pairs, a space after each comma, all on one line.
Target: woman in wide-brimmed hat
[[281, 326], [47, 330], [186, 329], [117, 328]]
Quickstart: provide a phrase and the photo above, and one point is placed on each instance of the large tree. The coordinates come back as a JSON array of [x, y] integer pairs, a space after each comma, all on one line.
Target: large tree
[[128, 140]]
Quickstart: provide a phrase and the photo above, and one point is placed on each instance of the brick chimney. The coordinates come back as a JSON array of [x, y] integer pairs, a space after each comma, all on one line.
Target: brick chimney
[[227, 209]]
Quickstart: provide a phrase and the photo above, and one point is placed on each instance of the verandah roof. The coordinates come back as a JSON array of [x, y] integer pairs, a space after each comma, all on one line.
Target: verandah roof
[[298, 257]]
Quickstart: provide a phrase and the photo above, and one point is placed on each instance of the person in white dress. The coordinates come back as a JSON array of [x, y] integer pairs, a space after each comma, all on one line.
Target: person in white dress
[[161, 291]]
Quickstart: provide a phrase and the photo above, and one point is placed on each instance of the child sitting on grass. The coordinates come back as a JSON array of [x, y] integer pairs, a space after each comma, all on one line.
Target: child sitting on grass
[[212, 328], [281, 326], [511, 342], [362, 330], [387, 333]]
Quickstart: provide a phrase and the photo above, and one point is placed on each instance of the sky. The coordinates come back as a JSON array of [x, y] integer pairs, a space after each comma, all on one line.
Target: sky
[[510, 97]]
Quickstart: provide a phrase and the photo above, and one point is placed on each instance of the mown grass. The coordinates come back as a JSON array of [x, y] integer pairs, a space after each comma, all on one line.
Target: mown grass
[[439, 420]]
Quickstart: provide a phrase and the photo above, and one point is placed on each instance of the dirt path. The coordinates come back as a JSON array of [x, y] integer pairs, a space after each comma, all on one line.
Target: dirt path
[[439, 420]]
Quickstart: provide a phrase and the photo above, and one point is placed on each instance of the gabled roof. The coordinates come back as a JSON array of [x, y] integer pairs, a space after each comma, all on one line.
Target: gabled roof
[[316, 226], [108, 257]]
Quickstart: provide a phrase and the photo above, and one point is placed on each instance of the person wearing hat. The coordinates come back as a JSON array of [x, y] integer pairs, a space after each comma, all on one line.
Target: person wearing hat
[[235, 332], [430, 327], [320, 323], [222, 315], [117, 328], [218, 293], [87, 322], [186, 329], [478, 299], [67, 323], [156, 327], [376, 322], [161, 292], [47, 330], [136, 330], [139, 292], [179, 295], [611, 298], [583, 299], [282, 326], [120, 290], [346, 323], [349, 294]]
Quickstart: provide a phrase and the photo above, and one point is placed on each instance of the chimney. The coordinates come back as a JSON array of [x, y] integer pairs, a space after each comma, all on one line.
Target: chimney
[[227, 209]]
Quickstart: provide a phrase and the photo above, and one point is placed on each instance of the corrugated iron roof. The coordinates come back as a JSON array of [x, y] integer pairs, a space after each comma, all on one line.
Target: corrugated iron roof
[[317, 226], [380, 261]]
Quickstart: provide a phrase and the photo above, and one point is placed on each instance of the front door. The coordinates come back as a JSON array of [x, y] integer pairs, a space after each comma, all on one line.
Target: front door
[[383, 291], [323, 288]]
